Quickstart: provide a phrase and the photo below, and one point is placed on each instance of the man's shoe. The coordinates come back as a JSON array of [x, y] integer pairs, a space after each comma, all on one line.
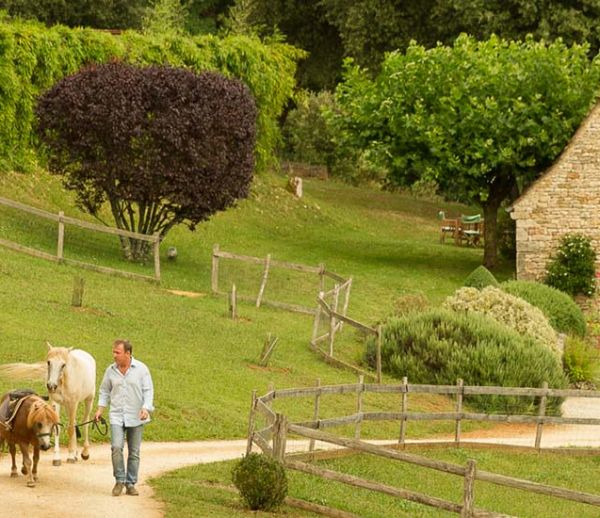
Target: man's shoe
[[131, 491], [118, 489]]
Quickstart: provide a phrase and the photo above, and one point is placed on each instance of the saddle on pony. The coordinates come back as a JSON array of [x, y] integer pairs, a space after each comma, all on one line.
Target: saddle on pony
[[10, 406]]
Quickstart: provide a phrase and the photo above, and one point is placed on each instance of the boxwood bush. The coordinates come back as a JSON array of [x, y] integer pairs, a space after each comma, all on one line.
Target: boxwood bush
[[562, 312], [261, 481], [480, 277], [439, 346]]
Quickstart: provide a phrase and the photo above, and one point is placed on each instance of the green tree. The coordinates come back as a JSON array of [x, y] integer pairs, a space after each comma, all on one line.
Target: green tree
[[100, 14], [305, 26], [369, 28], [479, 118]]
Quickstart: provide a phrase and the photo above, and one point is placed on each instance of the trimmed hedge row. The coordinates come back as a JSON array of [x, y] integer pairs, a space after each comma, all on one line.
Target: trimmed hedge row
[[33, 57]]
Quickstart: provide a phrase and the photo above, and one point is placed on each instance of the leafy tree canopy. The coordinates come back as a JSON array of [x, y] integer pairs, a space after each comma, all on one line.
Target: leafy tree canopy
[[161, 145], [479, 118], [370, 28]]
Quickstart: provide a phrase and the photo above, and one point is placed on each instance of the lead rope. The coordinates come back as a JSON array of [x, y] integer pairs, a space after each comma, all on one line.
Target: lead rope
[[95, 426]]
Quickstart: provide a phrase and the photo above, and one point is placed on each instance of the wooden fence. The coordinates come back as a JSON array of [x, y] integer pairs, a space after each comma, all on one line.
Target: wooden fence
[[336, 321], [268, 263], [62, 221], [272, 437]]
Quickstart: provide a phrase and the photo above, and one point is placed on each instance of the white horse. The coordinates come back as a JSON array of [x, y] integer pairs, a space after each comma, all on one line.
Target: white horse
[[70, 376]]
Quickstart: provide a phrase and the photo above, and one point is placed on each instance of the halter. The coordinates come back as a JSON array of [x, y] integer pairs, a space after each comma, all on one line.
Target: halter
[[54, 430]]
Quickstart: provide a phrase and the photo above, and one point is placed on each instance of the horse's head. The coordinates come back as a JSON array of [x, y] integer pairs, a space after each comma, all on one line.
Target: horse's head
[[43, 421], [57, 360]]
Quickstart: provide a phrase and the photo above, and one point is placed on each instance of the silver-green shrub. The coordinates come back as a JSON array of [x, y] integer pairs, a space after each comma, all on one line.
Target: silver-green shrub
[[439, 346], [506, 309]]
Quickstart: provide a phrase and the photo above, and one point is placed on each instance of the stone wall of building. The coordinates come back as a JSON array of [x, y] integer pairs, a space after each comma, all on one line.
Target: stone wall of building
[[565, 200]]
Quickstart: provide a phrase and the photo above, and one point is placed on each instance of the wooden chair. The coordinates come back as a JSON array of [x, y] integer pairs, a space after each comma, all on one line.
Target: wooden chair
[[448, 226], [471, 230]]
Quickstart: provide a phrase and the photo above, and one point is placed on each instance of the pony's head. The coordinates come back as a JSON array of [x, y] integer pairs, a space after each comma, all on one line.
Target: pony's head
[[42, 420], [57, 360]]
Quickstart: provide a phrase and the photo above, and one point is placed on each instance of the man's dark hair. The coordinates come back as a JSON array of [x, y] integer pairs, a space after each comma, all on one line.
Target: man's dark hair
[[127, 347]]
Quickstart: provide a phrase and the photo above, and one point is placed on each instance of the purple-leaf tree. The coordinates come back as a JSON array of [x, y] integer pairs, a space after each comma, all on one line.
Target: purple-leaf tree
[[160, 145]]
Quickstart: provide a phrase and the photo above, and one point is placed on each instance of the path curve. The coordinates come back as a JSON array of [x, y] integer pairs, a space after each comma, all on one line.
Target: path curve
[[84, 488]]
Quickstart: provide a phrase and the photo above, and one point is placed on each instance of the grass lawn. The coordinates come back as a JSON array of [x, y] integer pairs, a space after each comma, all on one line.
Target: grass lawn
[[203, 363], [197, 487]]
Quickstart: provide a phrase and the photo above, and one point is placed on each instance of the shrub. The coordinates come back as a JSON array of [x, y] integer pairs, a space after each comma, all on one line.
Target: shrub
[[305, 132], [580, 361], [480, 277], [506, 309], [562, 312], [107, 129], [261, 481], [572, 269], [440, 346]]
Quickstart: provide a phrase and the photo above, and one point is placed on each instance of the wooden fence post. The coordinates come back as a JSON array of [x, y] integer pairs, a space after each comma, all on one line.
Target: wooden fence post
[[404, 409], [321, 277], [316, 323], [378, 352], [264, 281], [233, 302], [468, 508], [347, 297], [61, 236], [541, 414], [77, 298], [267, 350], [156, 252], [279, 436], [214, 276], [359, 406], [459, 401], [311, 444], [332, 319], [251, 424]]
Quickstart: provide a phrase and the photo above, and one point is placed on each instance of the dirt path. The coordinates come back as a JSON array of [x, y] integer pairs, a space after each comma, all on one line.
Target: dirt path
[[83, 489]]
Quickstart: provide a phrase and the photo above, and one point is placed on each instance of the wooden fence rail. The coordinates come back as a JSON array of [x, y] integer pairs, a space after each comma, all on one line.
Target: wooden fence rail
[[62, 221], [277, 429], [269, 263]]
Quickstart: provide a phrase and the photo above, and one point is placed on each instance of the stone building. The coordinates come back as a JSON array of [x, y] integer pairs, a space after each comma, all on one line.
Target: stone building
[[564, 200]]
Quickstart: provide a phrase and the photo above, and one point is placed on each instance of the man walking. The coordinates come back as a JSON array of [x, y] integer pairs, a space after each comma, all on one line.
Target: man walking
[[127, 386]]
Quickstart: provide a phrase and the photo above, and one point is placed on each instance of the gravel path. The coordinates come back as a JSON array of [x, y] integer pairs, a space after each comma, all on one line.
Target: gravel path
[[83, 489]]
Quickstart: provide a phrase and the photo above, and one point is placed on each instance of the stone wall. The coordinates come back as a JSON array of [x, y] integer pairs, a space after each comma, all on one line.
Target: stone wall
[[565, 200]]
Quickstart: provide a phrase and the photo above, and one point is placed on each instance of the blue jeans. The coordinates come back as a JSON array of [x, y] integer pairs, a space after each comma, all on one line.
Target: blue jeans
[[117, 442]]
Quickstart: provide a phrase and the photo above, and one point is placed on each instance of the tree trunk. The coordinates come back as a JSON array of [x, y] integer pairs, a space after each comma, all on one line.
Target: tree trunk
[[490, 239]]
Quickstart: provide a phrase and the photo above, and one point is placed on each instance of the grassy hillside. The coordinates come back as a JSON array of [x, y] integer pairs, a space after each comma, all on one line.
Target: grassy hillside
[[204, 363]]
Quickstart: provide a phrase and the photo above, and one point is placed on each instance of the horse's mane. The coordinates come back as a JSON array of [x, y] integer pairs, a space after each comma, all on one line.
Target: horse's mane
[[41, 411]]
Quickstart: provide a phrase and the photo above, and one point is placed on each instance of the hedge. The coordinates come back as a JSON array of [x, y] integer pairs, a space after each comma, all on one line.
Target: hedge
[[34, 57]]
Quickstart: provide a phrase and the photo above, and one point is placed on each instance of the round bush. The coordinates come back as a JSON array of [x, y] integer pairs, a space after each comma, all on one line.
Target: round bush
[[261, 481], [480, 277], [562, 312], [440, 346], [506, 309], [573, 269]]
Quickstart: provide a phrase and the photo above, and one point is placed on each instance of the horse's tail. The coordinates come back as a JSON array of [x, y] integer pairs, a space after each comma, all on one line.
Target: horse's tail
[[24, 371]]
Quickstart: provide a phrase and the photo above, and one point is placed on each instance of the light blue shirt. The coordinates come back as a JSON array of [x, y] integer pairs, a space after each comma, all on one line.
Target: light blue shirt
[[127, 393]]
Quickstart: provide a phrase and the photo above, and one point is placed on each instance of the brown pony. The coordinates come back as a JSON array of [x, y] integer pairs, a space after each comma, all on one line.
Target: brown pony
[[34, 423]]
